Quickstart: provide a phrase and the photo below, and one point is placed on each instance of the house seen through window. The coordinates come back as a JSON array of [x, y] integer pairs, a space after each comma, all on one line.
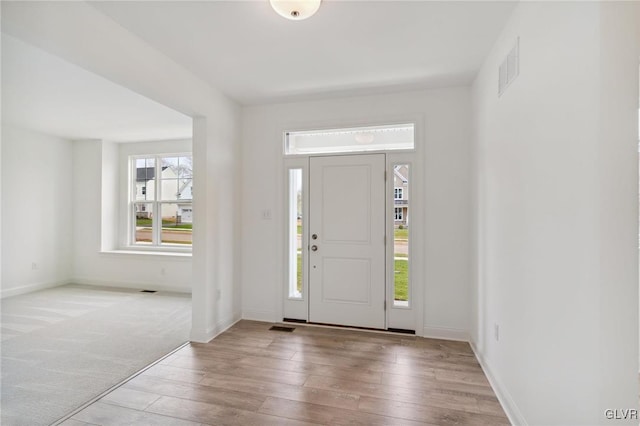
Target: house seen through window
[[161, 202], [397, 193]]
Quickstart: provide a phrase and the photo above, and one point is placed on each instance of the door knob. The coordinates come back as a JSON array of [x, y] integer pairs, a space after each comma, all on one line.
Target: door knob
[[314, 248]]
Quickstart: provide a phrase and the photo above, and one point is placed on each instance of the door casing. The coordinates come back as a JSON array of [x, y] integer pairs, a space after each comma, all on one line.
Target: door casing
[[411, 318]]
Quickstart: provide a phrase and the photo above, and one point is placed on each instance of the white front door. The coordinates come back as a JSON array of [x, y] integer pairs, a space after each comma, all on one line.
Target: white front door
[[347, 240]]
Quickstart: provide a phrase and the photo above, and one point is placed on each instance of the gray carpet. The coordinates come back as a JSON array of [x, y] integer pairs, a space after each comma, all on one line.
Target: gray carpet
[[62, 347]]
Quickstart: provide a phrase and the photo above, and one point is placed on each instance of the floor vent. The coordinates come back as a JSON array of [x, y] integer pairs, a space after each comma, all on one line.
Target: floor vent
[[279, 328], [401, 331], [300, 321], [148, 291]]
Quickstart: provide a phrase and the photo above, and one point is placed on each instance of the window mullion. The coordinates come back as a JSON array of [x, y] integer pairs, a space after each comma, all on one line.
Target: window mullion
[[132, 198], [157, 219]]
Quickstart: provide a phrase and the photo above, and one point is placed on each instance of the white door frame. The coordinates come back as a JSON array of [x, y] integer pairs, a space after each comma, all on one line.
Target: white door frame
[[405, 318]]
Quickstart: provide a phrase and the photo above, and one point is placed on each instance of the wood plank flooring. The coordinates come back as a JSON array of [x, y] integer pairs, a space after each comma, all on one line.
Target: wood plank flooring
[[252, 376]]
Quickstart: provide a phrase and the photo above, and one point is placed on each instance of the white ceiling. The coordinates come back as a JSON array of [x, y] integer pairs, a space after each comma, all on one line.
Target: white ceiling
[[255, 56], [349, 47], [44, 93]]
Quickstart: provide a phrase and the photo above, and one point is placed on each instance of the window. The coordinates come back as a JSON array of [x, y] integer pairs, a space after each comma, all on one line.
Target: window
[[295, 234], [161, 203], [401, 237], [352, 139], [397, 193]]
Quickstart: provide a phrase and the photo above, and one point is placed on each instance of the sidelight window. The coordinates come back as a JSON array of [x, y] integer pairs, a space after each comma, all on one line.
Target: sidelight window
[[401, 253], [295, 234]]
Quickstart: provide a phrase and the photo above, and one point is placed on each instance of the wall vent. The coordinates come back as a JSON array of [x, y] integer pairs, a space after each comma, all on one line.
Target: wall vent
[[509, 68]]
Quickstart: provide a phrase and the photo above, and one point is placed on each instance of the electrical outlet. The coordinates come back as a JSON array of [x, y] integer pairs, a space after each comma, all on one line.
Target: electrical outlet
[[34, 266], [266, 214], [496, 332]]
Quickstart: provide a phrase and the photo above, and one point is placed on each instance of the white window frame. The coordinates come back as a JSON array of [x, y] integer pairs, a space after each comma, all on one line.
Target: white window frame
[[402, 317], [398, 193], [289, 150], [400, 217], [156, 205], [293, 236]]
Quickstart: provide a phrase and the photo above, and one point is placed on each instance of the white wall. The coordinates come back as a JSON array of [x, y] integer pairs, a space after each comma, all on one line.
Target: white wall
[[37, 211], [444, 118], [100, 188], [82, 35], [556, 229]]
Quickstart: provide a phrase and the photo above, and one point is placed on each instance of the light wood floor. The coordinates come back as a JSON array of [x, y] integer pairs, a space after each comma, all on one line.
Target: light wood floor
[[250, 375]]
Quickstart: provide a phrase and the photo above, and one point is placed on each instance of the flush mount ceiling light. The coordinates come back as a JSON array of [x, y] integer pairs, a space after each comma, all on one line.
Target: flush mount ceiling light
[[295, 10], [364, 138]]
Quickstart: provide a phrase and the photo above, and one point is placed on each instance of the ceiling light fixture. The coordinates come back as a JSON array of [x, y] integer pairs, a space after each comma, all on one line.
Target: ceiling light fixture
[[295, 10], [364, 138]]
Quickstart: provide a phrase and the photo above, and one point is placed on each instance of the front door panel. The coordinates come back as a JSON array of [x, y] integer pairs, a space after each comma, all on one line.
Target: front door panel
[[347, 231]]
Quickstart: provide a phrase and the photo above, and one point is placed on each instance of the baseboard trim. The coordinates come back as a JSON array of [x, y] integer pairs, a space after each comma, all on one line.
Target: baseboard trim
[[508, 404], [264, 316], [205, 336], [29, 288], [129, 284], [446, 333]]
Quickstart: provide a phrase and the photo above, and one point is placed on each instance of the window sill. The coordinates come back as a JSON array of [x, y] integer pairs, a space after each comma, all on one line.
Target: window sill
[[145, 253]]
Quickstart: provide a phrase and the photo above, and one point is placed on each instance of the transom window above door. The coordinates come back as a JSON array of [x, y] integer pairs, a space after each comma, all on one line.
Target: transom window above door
[[351, 139]]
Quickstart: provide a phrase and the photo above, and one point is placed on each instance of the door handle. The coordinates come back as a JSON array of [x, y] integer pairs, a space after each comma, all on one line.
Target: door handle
[[314, 248]]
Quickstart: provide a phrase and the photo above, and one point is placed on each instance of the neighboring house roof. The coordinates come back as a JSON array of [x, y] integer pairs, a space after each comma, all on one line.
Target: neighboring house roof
[[147, 173], [396, 171]]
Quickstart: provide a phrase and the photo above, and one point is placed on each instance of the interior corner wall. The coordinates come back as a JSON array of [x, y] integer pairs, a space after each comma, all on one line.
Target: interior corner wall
[[1, 204], [445, 147], [110, 195], [216, 140], [555, 282], [37, 210], [617, 153], [216, 245]]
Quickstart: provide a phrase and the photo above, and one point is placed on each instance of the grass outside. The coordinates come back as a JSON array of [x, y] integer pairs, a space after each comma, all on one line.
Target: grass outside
[[166, 223], [172, 225], [401, 279], [401, 234], [299, 269]]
